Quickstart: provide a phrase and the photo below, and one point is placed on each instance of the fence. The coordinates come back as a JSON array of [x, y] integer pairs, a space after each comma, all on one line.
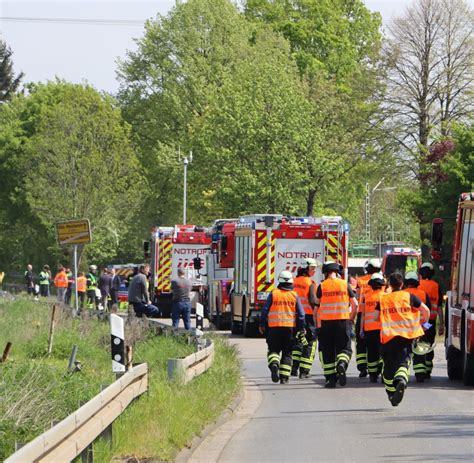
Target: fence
[[74, 435]]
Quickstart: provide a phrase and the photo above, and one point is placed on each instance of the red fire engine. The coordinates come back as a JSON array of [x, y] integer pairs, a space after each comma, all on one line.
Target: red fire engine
[[401, 260], [173, 248], [267, 244], [459, 315]]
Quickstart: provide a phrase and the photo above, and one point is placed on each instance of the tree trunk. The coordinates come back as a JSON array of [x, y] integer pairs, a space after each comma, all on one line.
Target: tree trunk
[[310, 202]]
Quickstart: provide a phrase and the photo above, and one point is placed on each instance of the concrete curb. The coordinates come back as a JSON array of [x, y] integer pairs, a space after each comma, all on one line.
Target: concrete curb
[[209, 446]]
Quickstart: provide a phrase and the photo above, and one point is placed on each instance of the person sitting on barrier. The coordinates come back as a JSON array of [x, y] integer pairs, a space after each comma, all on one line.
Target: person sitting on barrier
[[138, 295], [181, 288]]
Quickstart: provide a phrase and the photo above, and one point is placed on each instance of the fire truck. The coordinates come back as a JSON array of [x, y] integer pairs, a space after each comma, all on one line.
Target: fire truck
[[401, 260], [220, 272], [459, 309], [181, 246], [267, 244]]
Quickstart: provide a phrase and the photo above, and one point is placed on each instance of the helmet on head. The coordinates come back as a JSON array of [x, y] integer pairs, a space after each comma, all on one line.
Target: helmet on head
[[285, 277], [372, 265], [92, 267], [376, 279], [330, 266], [422, 347], [411, 276], [427, 270], [309, 262]]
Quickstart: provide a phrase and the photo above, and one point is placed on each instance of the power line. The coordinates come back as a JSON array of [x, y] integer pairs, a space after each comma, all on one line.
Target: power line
[[92, 22]]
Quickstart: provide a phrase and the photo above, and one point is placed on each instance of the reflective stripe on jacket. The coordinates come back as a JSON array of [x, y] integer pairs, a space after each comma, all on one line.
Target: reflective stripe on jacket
[[362, 285], [91, 281], [398, 318], [282, 312], [301, 285], [60, 280], [432, 289], [334, 303], [371, 316], [44, 278]]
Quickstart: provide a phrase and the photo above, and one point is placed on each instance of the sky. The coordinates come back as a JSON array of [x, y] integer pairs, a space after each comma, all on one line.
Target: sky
[[88, 51]]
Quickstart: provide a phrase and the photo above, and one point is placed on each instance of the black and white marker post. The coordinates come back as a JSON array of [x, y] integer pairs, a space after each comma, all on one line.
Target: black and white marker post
[[118, 344]]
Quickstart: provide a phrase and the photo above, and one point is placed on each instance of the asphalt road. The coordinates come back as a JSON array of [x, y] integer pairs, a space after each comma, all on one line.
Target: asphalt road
[[303, 422]]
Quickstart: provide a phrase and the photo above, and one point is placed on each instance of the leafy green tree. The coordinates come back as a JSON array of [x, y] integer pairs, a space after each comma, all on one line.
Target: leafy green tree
[[8, 81], [67, 154]]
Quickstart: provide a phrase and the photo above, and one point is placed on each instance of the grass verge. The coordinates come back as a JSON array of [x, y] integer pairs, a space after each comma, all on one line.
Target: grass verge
[[36, 389]]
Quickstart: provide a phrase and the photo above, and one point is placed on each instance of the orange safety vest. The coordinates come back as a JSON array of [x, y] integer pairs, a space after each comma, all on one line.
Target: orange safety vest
[[81, 284], [334, 303], [282, 312], [432, 289], [301, 285], [362, 284], [60, 280], [398, 318], [372, 316]]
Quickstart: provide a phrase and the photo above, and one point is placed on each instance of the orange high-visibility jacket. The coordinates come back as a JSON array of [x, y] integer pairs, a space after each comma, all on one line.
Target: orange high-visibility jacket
[[81, 284], [398, 317], [60, 280], [432, 289], [282, 312], [372, 316], [362, 284], [301, 285], [419, 293], [334, 303]]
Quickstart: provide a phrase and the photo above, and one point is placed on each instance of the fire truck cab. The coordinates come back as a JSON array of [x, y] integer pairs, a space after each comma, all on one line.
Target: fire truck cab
[[459, 314], [181, 246], [267, 244], [401, 260]]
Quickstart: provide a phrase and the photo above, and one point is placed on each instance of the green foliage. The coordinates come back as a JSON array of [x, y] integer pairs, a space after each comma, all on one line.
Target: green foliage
[[66, 154], [8, 81]]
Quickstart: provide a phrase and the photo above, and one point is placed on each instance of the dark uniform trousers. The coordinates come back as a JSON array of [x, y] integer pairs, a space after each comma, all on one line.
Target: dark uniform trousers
[[361, 346], [334, 345], [374, 362], [396, 356], [303, 356], [280, 344], [423, 364]]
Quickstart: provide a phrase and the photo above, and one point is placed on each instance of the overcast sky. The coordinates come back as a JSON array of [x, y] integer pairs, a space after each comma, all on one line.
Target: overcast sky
[[88, 51]]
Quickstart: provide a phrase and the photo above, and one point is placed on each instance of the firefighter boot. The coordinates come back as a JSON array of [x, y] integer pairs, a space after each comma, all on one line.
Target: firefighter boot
[[341, 373], [373, 378], [275, 372], [397, 396]]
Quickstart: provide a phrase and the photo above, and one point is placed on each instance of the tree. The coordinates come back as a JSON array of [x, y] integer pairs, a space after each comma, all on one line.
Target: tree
[[67, 154], [8, 82]]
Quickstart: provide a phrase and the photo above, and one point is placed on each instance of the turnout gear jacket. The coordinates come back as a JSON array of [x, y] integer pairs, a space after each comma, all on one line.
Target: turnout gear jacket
[[398, 317], [334, 301], [81, 284], [279, 301]]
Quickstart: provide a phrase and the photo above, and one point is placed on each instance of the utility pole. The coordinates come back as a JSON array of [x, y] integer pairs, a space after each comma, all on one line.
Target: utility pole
[[186, 161]]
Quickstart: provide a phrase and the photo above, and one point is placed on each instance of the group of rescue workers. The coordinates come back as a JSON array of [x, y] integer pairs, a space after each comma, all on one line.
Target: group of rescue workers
[[394, 320]]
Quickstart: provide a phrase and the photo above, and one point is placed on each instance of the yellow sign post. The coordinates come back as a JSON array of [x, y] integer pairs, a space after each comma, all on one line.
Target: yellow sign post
[[74, 232]]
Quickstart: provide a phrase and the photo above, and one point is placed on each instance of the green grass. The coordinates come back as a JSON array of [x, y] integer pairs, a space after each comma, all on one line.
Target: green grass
[[36, 389]]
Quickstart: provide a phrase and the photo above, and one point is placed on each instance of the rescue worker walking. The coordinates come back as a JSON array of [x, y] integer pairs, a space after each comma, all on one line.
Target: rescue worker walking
[[282, 316], [433, 291], [401, 318], [81, 289], [304, 349], [336, 308], [61, 282], [44, 281], [370, 324], [92, 298], [370, 267]]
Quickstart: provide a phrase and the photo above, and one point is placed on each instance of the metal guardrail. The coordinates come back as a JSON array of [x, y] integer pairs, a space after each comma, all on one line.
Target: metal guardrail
[[186, 369], [70, 437]]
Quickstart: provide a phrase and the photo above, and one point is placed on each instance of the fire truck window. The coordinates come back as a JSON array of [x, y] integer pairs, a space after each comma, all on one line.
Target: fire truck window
[[224, 245], [395, 264], [465, 259]]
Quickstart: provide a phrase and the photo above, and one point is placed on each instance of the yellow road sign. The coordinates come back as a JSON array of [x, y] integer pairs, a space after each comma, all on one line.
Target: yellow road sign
[[74, 232]]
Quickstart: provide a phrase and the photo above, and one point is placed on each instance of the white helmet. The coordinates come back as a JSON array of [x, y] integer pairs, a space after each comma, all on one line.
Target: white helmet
[[285, 277], [427, 265], [377, 278], [92, 267], [309, 262], [374, 263], [411, 276], [422, 347]]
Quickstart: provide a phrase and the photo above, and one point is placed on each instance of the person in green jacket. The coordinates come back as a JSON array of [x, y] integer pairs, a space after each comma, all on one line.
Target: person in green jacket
[[45, 281]]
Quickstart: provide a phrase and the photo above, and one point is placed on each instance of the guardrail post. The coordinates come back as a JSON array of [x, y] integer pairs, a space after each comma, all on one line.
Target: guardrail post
[[87, 455], [6, 352]]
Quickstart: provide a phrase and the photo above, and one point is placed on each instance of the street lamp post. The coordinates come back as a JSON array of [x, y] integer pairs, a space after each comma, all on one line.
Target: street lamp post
[[368, 198], [186, 161]]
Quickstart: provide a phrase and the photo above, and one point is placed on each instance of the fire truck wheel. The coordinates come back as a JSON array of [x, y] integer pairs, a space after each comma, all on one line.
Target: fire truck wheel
[[454, 363], [468, 377]]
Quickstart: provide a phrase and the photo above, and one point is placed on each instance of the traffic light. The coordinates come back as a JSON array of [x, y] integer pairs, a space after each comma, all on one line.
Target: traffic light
[[197, 262]]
